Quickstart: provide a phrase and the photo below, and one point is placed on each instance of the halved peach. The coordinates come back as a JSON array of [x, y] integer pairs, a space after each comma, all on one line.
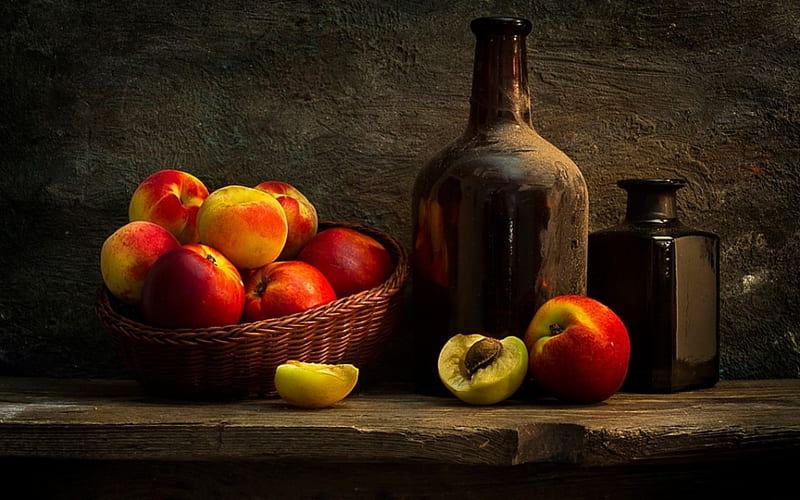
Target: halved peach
[[481, 370]]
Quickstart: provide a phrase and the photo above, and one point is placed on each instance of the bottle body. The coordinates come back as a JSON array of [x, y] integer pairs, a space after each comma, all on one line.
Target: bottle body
[[500, 225], [662, 278]]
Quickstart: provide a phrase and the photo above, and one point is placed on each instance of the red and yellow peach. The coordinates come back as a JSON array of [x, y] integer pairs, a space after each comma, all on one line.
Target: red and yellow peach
[[285, 287], [169, 198], [246, 224], [301, 216], [128, 254], [351, 260], [579, 349], [193, 286]]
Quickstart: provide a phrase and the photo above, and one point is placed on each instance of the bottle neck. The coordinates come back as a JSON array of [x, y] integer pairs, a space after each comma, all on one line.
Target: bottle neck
[[651, 200], [500, 75]]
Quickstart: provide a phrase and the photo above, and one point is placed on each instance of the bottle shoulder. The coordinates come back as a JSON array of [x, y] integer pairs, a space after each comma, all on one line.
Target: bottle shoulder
[[502, 153], [505, 137]]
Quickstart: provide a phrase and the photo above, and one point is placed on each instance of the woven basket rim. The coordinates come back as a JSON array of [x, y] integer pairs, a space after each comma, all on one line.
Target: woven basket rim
[[109, 314]]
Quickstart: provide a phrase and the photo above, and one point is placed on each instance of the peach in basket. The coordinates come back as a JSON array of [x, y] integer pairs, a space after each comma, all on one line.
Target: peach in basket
[[239, 360]]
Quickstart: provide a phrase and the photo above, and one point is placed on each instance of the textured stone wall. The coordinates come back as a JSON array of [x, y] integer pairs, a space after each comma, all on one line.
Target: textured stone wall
[[346, 100]]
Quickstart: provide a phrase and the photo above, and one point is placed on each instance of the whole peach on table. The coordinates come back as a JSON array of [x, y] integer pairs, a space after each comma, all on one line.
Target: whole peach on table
[[170, 198], [128, 254], [285, 287], [246, 224], [193, 286], [301, 216], [351, 260], [579, 349]]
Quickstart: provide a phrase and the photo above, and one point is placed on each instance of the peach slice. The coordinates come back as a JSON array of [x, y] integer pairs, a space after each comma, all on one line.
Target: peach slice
[[314, 385]]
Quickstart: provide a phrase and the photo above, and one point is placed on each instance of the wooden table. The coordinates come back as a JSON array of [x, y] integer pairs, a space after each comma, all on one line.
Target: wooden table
[[64, 438]]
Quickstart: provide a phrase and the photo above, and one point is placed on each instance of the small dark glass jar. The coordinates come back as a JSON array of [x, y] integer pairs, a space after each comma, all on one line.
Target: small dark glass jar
[[662, 278]]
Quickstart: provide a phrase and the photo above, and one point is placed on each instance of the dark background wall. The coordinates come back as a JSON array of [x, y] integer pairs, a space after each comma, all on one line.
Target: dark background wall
[[346, 99]]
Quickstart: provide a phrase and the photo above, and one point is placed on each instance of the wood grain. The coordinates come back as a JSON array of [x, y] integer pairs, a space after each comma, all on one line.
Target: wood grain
[[113, 420]]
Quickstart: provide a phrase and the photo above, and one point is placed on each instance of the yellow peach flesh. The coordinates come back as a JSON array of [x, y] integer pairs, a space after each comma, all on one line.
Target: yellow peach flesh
[[314, 385], [490, 384]]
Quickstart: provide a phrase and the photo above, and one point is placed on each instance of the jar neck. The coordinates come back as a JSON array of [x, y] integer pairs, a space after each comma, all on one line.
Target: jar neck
[[651, 200], [500, 75]]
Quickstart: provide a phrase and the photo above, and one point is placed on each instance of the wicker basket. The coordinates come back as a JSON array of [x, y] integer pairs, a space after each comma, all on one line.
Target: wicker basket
[[239, 361]]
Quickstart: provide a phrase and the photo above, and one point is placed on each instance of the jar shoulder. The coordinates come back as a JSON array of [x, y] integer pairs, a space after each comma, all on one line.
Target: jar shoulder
[[660, 231]]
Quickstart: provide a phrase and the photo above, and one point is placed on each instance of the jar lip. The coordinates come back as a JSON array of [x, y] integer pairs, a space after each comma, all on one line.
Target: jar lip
[[656, 182], [501, 25]]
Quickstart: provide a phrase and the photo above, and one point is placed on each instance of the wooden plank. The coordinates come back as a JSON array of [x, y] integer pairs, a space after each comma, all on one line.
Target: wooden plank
[[114, 420]]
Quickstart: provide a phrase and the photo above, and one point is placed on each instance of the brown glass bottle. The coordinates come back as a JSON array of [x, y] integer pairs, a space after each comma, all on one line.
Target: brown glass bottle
[[662, 278], [500, 216]]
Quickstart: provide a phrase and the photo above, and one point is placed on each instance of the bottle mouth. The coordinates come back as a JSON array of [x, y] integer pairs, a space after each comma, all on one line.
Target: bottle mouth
[[501, 26], [651, 200]]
